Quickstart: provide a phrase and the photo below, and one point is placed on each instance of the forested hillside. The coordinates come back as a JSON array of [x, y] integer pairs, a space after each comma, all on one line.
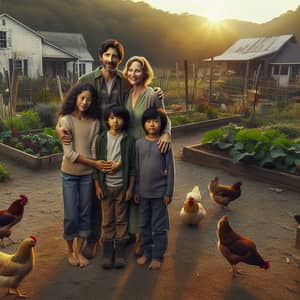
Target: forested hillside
[[162, 37]]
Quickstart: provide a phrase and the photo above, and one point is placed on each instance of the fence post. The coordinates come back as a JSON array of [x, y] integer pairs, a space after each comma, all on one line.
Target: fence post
[[194, 83], [186, 85], [59, 88], [246, 84], [177, 79], [210, 79], [167, 80]]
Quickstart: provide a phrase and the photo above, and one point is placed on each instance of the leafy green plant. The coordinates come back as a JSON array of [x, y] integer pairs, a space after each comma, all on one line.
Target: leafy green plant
[[46, 113], [211, 113], [267, 148], [39, 144], [26, 121], [4, 174], [201, 107], [42, 96]]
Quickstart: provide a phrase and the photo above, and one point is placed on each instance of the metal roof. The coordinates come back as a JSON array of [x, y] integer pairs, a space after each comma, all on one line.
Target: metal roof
[[290, 54], [72, 42], [252, 48]]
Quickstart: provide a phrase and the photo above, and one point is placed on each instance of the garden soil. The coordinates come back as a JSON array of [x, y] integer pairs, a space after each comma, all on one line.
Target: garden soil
[[193, 268]]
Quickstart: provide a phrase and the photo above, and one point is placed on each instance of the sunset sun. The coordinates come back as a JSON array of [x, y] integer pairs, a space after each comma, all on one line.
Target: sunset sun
[[214, 15]]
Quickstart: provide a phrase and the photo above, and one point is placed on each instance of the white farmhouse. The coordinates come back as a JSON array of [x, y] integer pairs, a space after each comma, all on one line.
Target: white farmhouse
[[35, 53]]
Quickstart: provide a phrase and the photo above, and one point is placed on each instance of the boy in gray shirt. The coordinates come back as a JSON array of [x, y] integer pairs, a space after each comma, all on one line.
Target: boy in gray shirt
[[154, 188]]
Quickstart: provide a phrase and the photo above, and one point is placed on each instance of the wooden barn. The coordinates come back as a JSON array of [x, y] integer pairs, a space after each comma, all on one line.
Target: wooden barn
[[276, 57]]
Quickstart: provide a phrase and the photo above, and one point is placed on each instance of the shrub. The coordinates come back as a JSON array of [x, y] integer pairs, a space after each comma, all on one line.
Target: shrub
[[46, 113], [288, 129], [26, 121], [211, 113], [42, 96], [201, 107], [4, 174]]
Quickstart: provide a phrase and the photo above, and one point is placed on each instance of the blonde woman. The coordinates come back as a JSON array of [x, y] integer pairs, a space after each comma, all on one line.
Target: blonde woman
[[139, 73]]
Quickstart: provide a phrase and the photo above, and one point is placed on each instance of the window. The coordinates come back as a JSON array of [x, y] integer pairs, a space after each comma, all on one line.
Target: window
[[81, 69], [3, 39], [21, 66], [3, 22], [276, 70], [284, 70]]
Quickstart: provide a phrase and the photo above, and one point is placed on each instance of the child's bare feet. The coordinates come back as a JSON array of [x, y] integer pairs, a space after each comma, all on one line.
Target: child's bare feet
[[72, 259], [155, 264], [142, 260], [83, 262]]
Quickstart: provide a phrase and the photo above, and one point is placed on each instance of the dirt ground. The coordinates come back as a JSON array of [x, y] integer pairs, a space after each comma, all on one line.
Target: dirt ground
[[193, 268]]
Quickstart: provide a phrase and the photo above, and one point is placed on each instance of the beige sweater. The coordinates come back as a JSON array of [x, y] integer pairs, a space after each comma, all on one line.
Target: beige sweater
[[84, 133]]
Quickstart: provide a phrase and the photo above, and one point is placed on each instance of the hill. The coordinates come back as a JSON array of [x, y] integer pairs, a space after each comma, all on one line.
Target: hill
[[162, 37]]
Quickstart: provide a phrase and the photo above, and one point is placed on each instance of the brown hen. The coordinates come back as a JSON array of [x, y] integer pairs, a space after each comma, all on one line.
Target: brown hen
[[236, 248]]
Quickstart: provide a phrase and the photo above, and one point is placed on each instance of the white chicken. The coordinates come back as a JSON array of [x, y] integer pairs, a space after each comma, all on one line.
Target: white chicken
[[14, 267], [192, 211]]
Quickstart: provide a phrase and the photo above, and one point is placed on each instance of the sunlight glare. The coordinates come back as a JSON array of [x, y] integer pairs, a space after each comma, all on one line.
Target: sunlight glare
[[214, 16]]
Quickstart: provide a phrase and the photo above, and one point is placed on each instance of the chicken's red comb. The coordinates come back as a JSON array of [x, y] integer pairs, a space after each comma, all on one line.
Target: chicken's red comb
[[34, 238], [24, 197]]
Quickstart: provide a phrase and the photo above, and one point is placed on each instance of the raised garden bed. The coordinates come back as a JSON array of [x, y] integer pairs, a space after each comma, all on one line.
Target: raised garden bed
[[29, 160], [202, 155], [181, 130]]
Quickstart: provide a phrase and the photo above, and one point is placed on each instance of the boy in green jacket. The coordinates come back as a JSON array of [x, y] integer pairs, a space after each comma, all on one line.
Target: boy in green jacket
[[115, 188]]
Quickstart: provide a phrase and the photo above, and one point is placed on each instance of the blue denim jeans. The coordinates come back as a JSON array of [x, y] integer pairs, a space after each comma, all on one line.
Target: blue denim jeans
[[77, 195], [96, 219], [154, 223]]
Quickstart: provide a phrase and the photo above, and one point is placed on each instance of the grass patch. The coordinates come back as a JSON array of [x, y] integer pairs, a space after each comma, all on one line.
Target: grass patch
[[4, 174]]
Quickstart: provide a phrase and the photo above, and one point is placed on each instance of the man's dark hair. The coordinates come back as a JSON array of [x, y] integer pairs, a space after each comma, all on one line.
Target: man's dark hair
[[118, 111], [112, 44], [154, 113]]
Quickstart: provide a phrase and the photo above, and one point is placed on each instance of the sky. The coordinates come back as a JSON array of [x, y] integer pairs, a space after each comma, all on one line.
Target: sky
[[258, 11]]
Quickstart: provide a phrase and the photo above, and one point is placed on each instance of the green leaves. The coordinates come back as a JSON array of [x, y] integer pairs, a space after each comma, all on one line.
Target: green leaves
[[39, 144], [4, 174], [268, 148]]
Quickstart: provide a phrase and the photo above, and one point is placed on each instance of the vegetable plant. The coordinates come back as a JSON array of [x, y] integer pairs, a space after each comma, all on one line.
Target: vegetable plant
[[268, 148], [40, 144]]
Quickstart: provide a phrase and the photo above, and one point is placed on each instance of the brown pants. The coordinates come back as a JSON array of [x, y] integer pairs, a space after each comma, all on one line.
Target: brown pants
[[114, 215]]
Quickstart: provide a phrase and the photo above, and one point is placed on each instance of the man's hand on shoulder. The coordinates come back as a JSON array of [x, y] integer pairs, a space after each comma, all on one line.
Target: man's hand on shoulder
[[159, 92]]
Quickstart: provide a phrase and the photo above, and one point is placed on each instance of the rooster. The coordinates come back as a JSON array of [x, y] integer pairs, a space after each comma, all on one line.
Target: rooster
[[14, 267], [223, 194], [10, 217], [192, 211], [236, 248]]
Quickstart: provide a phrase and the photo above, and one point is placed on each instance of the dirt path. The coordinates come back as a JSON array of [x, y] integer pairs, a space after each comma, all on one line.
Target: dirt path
[[193, 268]]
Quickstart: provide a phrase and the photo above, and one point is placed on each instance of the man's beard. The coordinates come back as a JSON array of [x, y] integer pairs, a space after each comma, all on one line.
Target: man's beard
[[110, 67]]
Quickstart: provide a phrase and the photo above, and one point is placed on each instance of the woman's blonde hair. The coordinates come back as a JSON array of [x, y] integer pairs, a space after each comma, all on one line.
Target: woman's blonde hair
[[146, 67]]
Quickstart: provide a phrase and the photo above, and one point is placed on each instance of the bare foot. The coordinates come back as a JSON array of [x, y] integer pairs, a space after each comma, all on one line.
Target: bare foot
[[83, 262], [72, 259], [18, 292], [142, 260], [155, 264]]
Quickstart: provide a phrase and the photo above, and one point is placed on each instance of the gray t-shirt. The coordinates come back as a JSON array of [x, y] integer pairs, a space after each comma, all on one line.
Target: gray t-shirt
[[155, 171], [114, 154]]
